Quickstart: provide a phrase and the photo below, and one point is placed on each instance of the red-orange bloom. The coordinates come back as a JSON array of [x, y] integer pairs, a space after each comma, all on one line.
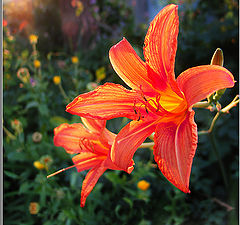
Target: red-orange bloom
[[157, 102], [91, 143]]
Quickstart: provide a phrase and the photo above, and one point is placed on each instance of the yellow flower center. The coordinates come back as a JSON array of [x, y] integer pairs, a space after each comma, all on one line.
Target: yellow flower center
[[171, 102]]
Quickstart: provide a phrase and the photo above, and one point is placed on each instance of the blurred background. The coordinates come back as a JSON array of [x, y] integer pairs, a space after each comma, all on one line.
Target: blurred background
[[55, 50]]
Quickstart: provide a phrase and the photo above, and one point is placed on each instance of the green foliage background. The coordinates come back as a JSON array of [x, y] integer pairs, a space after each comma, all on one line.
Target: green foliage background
[[204, 26]]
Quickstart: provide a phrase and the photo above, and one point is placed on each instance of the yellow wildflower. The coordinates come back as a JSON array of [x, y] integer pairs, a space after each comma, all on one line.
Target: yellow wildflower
[[56, 80], [74, 59], [33, 39], [100, 74], [143, 185], [34, 208], [36, 63], [79, 9], [38, 165]]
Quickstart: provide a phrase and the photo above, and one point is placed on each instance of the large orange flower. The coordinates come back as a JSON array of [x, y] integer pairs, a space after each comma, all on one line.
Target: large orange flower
[[157, 102], [91, 143]]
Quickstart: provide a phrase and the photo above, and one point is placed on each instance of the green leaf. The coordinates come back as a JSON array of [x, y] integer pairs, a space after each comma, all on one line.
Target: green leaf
[[32, 105], [58, 120], [11, 175]]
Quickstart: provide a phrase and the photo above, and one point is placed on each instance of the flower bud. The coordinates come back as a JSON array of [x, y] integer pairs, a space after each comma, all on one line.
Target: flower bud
[[17, 126], [33, 39], [56, 80], [143, 185], [34, 208], [100, 74], [36, 63], [38, 165], [217, 58], [23, 74], [74, 59], [37, 137]]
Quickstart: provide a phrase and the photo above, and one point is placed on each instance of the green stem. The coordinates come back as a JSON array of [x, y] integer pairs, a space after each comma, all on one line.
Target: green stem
[[214, 146], [9, 134], [212, 124], [63, 92], [225, 110]]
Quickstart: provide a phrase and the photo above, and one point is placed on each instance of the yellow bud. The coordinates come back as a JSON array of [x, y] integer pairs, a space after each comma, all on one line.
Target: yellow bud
[[33, 39], [56, 80], [74, 59], [38, 165], [36, 63], [100, 74], [143, 185]]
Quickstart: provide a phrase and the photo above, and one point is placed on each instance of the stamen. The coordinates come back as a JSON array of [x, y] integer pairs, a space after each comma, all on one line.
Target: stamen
[[86, 143], [59, 171], [142, 93]]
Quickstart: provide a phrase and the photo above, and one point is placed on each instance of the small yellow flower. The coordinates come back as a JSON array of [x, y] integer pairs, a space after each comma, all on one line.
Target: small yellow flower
[[74, 59], [38, 165], [79, 9], [100, 74], [33, 39], [56, 80], [143, 185], [36, 63], [34, 208]]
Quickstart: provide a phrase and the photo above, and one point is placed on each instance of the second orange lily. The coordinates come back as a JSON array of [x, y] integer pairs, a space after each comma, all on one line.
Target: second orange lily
[[157, 102], [92, 144]]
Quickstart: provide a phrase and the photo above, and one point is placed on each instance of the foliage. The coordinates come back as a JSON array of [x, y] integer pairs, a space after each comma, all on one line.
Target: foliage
[[35, 102]]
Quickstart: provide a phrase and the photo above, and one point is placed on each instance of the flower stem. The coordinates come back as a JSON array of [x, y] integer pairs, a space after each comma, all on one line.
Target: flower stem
[[214, 145], [9, 134], [225, 110], [63, 92]]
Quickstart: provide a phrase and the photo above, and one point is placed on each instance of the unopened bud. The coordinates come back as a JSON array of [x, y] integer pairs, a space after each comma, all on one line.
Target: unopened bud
[[36, 137], [217, 58]]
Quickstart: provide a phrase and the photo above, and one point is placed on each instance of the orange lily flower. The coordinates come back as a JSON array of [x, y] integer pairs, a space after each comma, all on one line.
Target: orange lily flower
[[91, 143], [157, 102]]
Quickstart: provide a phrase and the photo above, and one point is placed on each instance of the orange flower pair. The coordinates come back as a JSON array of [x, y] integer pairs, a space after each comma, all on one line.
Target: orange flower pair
[[157, 102]]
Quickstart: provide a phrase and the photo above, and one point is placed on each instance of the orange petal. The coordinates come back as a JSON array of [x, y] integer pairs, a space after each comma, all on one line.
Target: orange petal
[[174, 149], [129, 66], [75, 138], [105, 102], [127, 142], [68, 136], [87, 160], [198, 82], [99, 127], [96, 126], [160, 47], [90, 181]]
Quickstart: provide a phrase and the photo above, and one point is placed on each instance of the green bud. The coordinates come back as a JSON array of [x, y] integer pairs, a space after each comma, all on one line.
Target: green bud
[[217, 58]]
